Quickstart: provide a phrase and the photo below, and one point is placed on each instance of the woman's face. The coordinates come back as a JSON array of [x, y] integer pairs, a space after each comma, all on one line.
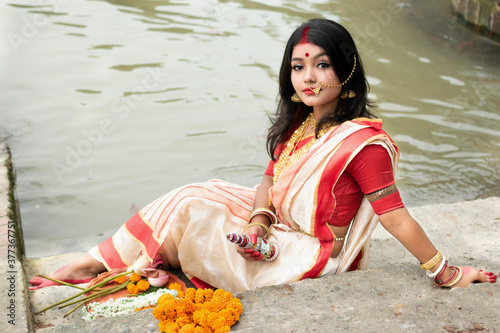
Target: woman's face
[[310, 66]]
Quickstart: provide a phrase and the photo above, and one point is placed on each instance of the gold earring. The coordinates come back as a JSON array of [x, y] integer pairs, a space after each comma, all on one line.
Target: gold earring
[[347, 94], [295, 98]]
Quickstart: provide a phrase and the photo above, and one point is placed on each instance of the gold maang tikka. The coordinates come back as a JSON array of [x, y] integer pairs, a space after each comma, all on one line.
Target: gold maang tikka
[[321, 84]]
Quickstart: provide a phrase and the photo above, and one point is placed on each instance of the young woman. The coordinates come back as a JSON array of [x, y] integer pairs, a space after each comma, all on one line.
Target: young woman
[[329, 181]]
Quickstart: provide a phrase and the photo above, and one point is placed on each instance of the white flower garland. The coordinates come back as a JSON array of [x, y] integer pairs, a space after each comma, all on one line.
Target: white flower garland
[[113, 308]]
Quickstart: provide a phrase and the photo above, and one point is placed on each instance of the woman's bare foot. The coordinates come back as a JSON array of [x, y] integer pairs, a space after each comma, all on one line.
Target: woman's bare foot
[[471, 275], [80, 270]]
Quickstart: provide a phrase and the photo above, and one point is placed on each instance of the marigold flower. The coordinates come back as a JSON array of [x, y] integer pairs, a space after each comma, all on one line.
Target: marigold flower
[[199, 297], [132, 289], [177, 287], [121, 279], [189, 328], [200, 317], [169, 307], [219, 293], [203, 329], [215, 305], [134, 277], [228, 317], [142, 285], [219, 324], [161, 325], [168, 326], [165, 297], [183, 321], [185, 308], [223, 329], [212, 319], [209, 293], [159, 313]]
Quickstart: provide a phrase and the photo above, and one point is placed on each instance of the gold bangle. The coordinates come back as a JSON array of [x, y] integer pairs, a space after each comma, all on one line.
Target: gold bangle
[[456, 280], [260, 225], [433, 262], [264, 211]]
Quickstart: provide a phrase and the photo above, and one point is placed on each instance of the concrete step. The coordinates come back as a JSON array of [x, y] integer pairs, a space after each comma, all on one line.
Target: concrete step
[[391, 299], [16, 317]]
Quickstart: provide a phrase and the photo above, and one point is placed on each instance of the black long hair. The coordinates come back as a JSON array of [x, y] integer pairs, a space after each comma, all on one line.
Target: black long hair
[[341, 49]]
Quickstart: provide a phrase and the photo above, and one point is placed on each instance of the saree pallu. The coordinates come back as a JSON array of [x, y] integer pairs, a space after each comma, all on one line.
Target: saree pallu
[[190, 224]]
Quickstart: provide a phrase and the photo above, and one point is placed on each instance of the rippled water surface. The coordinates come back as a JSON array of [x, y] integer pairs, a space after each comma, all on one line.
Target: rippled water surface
[[107, 105]]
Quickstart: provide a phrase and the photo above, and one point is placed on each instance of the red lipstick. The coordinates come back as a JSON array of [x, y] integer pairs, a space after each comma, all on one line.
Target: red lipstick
[[308, 91]]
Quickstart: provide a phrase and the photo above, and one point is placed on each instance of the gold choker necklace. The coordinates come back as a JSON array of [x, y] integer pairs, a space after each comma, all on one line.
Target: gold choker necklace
[[287, 157]]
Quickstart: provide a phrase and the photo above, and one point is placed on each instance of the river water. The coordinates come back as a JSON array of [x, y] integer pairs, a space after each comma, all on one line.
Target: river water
[[107, 105]]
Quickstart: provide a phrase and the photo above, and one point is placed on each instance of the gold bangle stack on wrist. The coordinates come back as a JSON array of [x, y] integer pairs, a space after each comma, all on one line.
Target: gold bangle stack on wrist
[[262, 211], [439, 258], [260, 225], [433, 262], [455, 278]]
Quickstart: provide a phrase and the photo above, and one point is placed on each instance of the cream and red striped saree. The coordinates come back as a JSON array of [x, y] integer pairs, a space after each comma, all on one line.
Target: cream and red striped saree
[[188, 226]]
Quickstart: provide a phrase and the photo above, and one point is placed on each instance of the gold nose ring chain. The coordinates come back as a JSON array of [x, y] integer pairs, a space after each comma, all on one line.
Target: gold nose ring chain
[[321, 84]]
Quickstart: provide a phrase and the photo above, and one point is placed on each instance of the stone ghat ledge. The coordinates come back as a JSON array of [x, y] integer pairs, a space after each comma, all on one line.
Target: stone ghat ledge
[[14, 305], [480, 15], [392, 295]]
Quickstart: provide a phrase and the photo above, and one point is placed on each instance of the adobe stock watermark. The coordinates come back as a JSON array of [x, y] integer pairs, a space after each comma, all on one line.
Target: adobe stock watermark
[[249, 150], [445, 139], [226, 11], [120, 110], [31, 24], [373, 28], [484, 87]]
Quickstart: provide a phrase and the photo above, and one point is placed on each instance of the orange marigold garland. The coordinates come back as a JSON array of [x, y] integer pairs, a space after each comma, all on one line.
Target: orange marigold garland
[[202, 310], [142, 285], [134, 277], [121, 279], [132, 289]]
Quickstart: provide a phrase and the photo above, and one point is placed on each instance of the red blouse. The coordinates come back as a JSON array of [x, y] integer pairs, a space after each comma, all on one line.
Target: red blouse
[[369, 171]]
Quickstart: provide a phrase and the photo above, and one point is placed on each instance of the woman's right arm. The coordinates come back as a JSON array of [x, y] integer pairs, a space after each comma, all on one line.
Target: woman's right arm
[[262, 196], [261, 201]]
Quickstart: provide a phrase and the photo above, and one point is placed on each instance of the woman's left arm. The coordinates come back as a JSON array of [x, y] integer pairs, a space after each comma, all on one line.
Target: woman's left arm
[[406, 230]]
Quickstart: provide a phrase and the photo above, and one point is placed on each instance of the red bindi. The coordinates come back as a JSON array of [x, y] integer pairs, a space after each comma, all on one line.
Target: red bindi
[[307, 55]]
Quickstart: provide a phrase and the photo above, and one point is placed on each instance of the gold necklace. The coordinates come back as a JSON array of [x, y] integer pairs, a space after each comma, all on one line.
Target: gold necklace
[[313, 122], [286, 159]]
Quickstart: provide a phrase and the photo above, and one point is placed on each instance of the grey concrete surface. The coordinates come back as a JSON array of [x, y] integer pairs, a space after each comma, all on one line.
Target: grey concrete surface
[[391, 299]]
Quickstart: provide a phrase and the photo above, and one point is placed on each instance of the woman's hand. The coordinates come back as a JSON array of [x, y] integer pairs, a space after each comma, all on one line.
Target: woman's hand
[[252, 232], [471, 275]]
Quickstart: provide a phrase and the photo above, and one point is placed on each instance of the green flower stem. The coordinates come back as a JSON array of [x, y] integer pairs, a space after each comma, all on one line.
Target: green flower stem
[[61, 282], [84, 291], [95, 296], [102, 292]]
